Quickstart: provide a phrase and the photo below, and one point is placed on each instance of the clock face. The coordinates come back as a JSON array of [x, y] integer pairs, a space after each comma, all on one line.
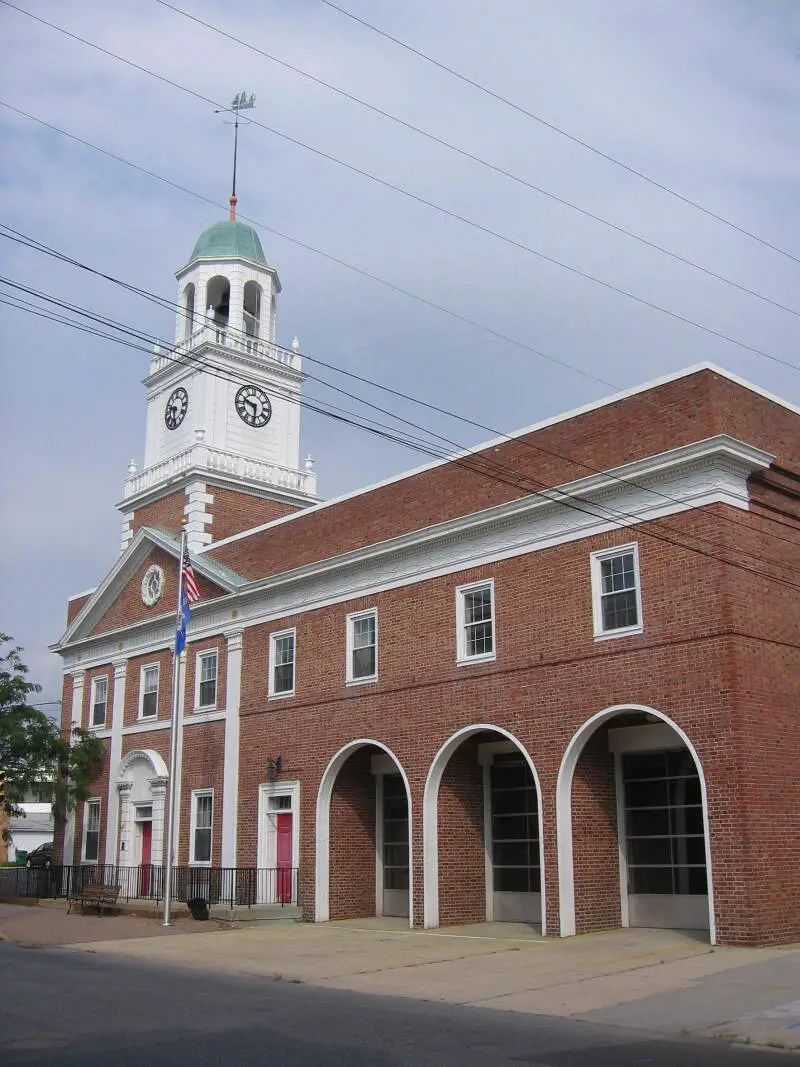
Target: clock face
[[176, 408], [152, 585], [253, 406]]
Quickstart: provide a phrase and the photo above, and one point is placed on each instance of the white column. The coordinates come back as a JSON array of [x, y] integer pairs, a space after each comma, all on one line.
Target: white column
[[230, 781], [158, 792], [75, 720], [114, 758], [125, 842]]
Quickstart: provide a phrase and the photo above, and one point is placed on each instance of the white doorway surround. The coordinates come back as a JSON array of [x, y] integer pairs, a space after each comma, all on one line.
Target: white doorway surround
[[276, 802]]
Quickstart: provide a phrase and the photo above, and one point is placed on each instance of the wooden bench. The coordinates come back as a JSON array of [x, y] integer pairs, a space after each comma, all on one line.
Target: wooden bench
[[95, 895]]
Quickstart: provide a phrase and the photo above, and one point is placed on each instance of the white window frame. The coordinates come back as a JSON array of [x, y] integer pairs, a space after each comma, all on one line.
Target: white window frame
[[93, 700], [193, 862], [462, 657], [273, 641], [91, 803], [205, 653], [148, 667], [351, 621], [596, 559]]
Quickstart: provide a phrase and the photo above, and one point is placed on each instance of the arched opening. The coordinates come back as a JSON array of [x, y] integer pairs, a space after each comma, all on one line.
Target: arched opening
[[142, 787], [632, 815], [252, 310], [482, 831], [363, 846], [188, 310], [218, 302]]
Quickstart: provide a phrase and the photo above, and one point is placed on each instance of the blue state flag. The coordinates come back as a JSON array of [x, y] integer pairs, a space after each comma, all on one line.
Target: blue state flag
[[183, 617]]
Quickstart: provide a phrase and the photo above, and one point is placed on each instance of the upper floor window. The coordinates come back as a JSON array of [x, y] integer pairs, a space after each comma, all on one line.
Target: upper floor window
[[99, 701], [148, 692], [281, 663], [91, 831], [205, 695], [202, 823], [252, 309], [362, 646], [616, 591], [475, 621]]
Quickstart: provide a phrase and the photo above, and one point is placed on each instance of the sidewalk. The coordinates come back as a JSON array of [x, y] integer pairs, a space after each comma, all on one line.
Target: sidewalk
[[660, 981]]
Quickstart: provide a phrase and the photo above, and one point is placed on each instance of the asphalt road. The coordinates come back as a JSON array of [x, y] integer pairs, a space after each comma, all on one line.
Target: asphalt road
[[62, 1008]]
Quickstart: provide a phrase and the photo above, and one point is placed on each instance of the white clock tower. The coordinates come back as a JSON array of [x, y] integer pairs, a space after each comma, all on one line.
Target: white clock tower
[[223, 403]]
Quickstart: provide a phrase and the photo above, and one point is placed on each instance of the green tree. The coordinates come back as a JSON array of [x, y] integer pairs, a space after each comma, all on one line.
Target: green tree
[[31, 746]]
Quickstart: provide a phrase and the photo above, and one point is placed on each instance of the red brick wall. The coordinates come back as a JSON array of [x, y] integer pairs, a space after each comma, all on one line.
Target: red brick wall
[[462, 855], [352, 836], [234, 511], [166, 513], [74, 606], [133, 682], [595, 841], [203, 764], [192, 651]]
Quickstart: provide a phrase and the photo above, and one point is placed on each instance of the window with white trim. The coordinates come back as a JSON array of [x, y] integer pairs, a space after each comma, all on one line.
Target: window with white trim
[[90, 852], [202, 822], [475, 622], [148, 692], [281, 663], [99, 701], [362, 646], [616, 592], [205, 694]]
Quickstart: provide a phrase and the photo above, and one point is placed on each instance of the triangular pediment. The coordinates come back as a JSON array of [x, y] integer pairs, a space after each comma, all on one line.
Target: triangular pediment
[[142, 586]]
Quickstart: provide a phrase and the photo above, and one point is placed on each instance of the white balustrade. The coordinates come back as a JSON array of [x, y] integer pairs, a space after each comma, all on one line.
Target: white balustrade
[[200, 457], [213, 333]]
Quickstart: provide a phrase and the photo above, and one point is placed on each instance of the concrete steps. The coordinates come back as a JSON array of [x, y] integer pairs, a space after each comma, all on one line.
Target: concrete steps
[[241, 915]]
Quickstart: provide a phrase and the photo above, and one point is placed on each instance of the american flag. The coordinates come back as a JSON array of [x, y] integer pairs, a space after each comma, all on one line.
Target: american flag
[[190, 586]]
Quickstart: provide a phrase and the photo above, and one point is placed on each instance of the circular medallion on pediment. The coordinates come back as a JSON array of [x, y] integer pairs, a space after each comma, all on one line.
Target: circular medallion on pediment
[[152, 585]]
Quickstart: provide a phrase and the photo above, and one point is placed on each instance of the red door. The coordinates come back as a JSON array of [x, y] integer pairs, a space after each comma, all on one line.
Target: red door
[[147, 840], [283, 853]]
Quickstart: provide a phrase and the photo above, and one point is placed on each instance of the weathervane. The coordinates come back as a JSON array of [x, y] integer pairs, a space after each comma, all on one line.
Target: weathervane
[[241, 102]]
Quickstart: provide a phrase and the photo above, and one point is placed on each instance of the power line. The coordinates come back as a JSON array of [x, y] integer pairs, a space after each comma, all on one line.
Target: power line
[[163, 302], [483, 467], [416, 198], [464, 153], [562, 133]]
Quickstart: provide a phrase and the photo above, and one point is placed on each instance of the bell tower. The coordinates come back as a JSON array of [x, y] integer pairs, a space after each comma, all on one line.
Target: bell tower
[[223, 402]]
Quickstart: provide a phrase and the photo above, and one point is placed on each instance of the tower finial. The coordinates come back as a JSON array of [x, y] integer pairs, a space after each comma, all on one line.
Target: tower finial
[[241, 102]]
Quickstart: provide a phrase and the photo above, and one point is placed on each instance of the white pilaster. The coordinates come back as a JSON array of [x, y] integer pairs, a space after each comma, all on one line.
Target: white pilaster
[[125, 841], [78, 678], [230, 782], [196, 510], [114, 758], [158, 791]]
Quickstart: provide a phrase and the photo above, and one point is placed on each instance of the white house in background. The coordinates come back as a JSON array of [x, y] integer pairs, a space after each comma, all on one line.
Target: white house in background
[[35, 826]]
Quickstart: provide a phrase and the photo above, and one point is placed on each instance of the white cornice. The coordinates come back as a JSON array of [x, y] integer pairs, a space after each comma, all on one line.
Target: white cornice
[[179, 363], [595, 405], [199, 473], [692, 476]]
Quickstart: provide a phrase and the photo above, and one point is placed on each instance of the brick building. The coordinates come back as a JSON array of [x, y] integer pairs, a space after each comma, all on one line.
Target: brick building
[[552, 679]]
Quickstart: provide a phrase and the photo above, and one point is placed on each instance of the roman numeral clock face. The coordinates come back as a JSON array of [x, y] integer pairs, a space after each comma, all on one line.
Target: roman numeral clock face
[[177, 406], [253, 406]]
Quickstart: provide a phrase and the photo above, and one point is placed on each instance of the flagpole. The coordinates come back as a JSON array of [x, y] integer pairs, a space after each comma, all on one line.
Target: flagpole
[[173, 750]]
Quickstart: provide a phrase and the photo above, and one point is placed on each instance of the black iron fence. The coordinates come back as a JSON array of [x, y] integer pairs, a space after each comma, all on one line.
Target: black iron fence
[[244, 886]]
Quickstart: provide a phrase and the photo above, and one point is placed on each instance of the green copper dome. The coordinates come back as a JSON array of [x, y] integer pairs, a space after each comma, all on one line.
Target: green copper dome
[[229, 239]]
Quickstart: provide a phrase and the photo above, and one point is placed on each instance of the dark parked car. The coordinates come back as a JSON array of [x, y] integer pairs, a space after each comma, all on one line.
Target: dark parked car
[[41, 856]]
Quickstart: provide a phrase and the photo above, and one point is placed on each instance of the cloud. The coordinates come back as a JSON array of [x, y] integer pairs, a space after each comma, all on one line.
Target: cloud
[[703, 98]]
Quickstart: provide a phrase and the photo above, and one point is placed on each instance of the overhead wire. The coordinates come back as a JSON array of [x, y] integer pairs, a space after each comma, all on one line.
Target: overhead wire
[[475, 84], [173, 306], [464, 153], [476, 462], [439, 208]]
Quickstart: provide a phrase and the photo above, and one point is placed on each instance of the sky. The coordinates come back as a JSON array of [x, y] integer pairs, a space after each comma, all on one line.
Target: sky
[[700, 96]]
